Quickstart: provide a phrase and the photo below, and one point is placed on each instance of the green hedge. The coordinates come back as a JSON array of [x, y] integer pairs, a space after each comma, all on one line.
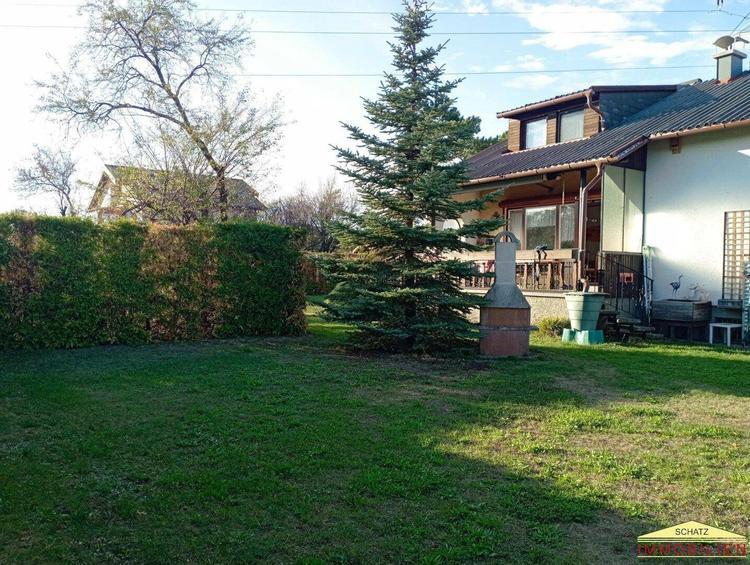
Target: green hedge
[[67, 282]]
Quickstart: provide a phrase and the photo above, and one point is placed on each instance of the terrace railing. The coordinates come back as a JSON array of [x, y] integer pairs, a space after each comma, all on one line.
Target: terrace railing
[[543, 275], [620, 276]]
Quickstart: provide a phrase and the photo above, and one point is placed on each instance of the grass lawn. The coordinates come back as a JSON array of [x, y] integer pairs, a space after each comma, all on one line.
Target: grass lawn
[[290, 450]]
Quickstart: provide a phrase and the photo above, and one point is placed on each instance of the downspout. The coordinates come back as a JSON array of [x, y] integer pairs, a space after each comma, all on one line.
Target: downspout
[[584, 190], [590, 105]]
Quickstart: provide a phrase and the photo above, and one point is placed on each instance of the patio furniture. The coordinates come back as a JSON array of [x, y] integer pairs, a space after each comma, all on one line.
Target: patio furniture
[[727, 331]]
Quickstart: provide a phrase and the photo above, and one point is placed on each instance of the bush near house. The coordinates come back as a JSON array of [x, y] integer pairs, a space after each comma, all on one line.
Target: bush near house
[[553, 327], [67, 282]]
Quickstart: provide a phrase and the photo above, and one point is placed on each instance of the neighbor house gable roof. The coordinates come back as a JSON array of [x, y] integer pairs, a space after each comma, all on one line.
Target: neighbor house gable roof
[[692, 108], [248, 195]]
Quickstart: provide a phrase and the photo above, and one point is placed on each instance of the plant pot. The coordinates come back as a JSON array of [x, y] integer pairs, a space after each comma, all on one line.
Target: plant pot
[[584, 309]]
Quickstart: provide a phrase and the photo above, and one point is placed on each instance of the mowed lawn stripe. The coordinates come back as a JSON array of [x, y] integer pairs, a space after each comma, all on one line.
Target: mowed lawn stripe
[[294, 450]]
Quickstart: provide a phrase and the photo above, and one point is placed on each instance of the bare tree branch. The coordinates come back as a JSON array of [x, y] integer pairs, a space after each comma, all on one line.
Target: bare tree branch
[[157, 58], [50, 172]]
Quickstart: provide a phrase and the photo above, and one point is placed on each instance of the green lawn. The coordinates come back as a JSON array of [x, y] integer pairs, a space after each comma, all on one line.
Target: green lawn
[[290, 450]]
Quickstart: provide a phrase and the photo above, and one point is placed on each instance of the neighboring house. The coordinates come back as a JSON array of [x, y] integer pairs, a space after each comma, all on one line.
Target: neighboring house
[[603, 175], [110, 200]]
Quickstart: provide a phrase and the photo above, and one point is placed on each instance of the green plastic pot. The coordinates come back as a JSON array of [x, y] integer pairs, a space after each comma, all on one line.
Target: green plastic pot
[[584, 309]]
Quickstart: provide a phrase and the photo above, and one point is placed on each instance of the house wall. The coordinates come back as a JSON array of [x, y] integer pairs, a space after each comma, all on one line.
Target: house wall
[[551, 130], [686, 197], [591, 122], [622, 210], [514, 135], [543, 305]]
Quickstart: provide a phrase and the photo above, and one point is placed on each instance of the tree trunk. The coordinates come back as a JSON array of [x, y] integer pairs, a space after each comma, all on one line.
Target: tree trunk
[[221, 182]]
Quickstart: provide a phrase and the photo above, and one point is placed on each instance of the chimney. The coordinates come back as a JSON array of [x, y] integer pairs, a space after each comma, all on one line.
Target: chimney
[[729, 59]]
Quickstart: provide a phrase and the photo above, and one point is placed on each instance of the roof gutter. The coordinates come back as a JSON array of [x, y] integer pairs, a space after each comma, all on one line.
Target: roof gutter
[[617, 155], [544, 104], [686, 132]]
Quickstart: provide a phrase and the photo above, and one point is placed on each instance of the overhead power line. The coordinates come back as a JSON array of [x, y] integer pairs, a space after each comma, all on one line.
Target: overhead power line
[[436, 33], [740, 23], [478, 73], [389, 13]]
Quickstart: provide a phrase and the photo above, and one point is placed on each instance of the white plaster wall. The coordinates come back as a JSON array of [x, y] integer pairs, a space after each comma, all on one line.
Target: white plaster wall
[[686, 197]]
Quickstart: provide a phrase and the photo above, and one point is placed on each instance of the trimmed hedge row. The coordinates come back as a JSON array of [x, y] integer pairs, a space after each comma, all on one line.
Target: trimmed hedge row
[[67, 282]]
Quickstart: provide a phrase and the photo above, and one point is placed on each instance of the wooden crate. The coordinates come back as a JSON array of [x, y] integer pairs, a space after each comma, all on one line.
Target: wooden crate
[[681, 310]]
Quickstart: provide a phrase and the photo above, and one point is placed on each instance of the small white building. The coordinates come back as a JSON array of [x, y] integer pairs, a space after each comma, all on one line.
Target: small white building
[[628, 188]]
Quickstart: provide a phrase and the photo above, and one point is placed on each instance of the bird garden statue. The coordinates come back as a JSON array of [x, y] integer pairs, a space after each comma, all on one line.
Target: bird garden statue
[[676, 285]]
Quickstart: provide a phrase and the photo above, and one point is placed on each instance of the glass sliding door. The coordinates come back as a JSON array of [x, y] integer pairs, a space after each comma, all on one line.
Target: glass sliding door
[[541, 227], [567, 236], [515, 225]]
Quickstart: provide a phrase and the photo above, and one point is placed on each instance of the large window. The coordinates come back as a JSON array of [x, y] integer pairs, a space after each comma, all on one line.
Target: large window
[[553, 226], [571, 125], [541, 225], [535, 133], [567, 237]]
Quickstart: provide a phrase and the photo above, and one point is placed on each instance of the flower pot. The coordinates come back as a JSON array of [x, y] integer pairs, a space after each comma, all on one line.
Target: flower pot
[[584, 309]]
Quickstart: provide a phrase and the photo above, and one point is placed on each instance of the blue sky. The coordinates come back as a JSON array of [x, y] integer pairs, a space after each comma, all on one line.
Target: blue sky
[[314, 106]]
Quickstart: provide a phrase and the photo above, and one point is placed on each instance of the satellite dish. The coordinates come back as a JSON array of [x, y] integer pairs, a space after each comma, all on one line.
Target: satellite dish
[[724, 42]]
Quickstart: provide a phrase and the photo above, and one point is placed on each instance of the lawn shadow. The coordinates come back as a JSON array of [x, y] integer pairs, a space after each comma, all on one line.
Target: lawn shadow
[[283, 450]]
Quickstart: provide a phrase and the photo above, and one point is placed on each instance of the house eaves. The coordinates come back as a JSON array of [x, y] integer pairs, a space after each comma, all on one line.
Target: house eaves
[[693, 108], [586, 93]]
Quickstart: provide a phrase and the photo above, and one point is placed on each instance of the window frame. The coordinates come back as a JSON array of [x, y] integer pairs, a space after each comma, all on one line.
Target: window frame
[[558, 132], [525, 128], [558, 216]]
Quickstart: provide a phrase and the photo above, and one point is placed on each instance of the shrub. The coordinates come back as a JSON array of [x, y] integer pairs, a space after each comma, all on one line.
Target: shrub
[[260, 282], [315, 281], [553, 327], [67, 282]]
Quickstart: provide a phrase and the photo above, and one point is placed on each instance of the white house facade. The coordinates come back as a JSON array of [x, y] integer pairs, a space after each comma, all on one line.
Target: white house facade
[[640, 191], [687, 199]]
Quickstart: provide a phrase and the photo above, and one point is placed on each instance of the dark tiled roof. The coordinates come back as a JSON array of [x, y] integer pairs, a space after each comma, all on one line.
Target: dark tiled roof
[[692, 106], [582, 93]]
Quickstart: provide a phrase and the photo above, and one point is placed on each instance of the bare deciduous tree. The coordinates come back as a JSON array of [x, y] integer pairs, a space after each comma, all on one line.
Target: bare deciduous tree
[[51, 172], [314, 211], [156, 59], [163, 176]]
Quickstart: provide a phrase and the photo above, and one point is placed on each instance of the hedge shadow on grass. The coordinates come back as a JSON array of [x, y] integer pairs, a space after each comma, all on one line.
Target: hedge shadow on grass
[[246, 451]]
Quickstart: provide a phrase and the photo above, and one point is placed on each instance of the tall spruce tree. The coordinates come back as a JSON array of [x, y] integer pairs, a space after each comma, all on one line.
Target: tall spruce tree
[[396, 284]]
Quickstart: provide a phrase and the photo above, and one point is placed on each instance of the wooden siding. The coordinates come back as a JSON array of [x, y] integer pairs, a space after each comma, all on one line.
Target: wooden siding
[[514, 135], [590, 122], [551, 130]]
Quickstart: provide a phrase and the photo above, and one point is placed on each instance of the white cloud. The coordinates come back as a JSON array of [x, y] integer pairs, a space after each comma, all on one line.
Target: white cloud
[[526, 62], [475, 7], [531, 82], [530, 62], [603, 16], [638, 48]]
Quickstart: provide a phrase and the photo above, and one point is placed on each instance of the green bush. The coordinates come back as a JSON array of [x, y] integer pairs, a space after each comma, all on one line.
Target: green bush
[[67, 282], [553, 327]]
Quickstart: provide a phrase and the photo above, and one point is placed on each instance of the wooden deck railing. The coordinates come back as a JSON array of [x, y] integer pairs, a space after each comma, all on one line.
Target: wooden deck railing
[[547, 274]]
